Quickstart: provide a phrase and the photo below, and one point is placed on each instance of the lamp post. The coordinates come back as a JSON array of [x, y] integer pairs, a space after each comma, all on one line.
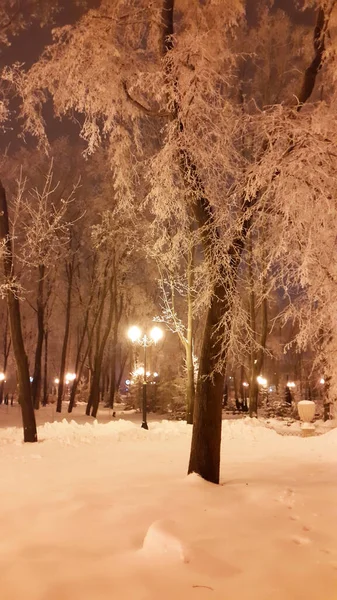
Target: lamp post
[[135, 335]]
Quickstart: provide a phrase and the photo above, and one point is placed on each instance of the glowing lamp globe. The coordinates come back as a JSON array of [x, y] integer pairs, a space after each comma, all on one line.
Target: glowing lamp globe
[[134, 333], [156, 334], [71, 376]]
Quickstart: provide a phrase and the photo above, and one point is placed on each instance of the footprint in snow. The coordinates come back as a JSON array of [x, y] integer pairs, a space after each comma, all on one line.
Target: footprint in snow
[[300, 540]]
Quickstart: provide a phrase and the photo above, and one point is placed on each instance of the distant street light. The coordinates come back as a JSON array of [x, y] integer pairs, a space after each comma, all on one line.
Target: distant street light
[[56, 381], [2, 376], [71, 376], [322, 381], [262, 381], [291, 384], [135, 335]]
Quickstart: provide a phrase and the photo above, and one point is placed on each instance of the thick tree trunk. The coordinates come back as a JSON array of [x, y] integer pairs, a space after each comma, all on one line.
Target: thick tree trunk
[[70, 273], [27, 410], [37, 375], [206, 437]]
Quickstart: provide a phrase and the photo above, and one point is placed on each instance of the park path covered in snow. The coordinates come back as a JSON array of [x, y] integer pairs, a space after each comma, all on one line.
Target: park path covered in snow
[[77, 507]]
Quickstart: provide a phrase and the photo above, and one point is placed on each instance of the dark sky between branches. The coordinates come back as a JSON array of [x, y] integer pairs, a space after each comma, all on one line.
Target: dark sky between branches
[[28, 46]]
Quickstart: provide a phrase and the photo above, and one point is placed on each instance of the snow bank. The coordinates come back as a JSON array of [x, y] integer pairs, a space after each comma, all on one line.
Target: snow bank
[[251, 431], [71, 432]]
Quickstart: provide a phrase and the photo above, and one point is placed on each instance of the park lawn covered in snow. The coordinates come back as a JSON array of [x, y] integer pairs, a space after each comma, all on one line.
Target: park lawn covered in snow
[[77, 507]]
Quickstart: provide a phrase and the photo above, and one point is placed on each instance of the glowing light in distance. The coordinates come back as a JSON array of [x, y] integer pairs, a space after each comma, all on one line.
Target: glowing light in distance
[[322, 381], [245, 384], [70, 377], [127, 381], [261, 380], [155, 374], [139, 371], [156, 334], [57, 381], [291, 384], [2, 376], [148, 373], [134, 333]]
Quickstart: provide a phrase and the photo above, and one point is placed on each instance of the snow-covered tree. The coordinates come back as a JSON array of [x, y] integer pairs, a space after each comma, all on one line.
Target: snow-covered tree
[[155, 83]]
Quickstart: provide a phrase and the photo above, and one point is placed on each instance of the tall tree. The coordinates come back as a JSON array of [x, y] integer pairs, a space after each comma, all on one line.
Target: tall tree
[[183, 77], [27, 410]]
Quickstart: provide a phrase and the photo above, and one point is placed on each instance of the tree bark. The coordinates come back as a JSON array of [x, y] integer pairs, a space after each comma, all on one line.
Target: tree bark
[[206, 437], [94, 390], [37, 375], [6, 349], [45, 372], [70, 273], [93, 385], [121, 371], [310, 74], [118, 314], [190, 388], [27, 410]]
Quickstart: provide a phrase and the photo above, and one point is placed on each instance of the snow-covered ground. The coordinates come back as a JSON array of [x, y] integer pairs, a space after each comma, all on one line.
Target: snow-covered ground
[[104, 511]]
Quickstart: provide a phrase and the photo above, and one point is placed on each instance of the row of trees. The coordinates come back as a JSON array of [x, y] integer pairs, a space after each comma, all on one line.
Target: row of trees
[[220, 136]]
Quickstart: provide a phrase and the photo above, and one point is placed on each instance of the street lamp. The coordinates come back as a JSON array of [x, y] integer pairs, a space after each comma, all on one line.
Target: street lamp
[[135, 335]]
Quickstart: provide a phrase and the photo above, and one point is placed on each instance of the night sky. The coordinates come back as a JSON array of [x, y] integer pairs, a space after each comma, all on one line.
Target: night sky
[[28, 46]]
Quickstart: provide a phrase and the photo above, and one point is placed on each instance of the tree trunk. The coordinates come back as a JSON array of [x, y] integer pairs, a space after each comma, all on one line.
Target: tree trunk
[[254, 372], [27, 410], [121, 371], [112, 389], [206, 437], [93, 386], [6, 349], [45, 373], [94, 391], [37, 375], [80, 367], [70, 272], [118, 314], [190, 388]]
